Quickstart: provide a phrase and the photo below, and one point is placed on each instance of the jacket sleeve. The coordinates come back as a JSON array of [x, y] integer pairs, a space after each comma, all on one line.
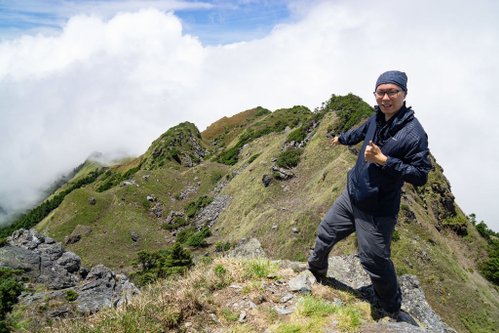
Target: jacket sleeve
[[415, 165], [355, 136]]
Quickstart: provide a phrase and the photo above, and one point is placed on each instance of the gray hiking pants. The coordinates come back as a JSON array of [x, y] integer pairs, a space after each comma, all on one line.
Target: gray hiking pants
[[374, 235]]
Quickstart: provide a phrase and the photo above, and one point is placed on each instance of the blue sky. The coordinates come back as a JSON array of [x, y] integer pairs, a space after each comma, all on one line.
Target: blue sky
[[213, 21], [111, 76]]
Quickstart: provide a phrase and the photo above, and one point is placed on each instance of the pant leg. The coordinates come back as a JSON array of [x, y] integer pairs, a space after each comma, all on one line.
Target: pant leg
[[337, 224], [374, 235]]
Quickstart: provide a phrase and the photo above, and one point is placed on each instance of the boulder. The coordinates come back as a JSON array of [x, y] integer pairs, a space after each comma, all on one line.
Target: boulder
[[248, 248], [78, 232], [266, 180], [103, 288], [45, 262]]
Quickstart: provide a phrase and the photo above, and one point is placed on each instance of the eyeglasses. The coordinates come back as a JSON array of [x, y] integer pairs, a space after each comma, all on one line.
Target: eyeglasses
[[390, 93]]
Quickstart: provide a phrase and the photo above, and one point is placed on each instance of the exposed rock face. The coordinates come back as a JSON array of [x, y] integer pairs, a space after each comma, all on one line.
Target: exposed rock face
[[346, 273], [209, 214], [103, 288], [45, 262]]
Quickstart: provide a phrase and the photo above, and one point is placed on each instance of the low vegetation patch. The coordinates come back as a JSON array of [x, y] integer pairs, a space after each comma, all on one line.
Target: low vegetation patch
[[190, 237], [194, 207], [489, 268], [350, 110], [273, 123], [458, 224], [289, 158], [10, 289], [161, 264]]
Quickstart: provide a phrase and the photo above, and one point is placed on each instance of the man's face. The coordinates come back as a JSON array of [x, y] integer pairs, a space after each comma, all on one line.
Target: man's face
[[390, 99]]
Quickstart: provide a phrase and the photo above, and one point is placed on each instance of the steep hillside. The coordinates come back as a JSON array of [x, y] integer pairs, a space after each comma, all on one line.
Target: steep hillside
[[271, 176], [434, 240]]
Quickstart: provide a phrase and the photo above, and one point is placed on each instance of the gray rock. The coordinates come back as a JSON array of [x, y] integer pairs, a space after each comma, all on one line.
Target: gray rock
[[78, 233], [283, 310], [102, 289], [302, 282], [266, 180], [46, 262], [209, 214], [287, 297], [50, 252], [250, 248], [173, 215], [157, 209], [129, 182], [134, 236], [348, 270], [92, 201], [282, 173], [20, 258], [70, 262], [28, 239], [414, 302], [72, 239]]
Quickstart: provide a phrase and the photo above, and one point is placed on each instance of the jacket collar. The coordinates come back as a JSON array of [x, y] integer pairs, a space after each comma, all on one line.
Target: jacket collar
[[392, 126]]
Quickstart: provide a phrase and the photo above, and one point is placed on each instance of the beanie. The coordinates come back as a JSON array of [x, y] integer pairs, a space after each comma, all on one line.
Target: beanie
[[395, 77]]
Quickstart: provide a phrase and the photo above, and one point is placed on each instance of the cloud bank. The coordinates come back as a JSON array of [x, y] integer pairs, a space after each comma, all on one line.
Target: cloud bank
[[115, 84]]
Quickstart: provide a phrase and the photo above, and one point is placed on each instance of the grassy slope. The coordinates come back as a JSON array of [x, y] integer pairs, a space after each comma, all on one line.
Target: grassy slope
[[122, 210], [444, 262]]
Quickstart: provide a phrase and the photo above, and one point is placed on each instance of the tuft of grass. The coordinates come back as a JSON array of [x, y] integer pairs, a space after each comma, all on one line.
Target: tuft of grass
[[259, 268], [313, 306], [229, 315], [71, 295]]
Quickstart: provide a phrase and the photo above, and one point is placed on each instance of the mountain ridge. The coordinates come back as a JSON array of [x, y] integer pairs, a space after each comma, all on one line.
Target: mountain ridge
[[279, 176]]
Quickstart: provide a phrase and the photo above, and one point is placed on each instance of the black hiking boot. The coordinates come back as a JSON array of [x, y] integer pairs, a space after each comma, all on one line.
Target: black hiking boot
[[319, 274]]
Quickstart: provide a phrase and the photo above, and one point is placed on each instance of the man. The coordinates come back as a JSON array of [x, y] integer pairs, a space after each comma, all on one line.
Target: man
[[395, 150]]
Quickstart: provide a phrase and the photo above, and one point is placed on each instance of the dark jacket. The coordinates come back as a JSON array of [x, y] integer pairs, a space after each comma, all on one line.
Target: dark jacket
[[376, 189]]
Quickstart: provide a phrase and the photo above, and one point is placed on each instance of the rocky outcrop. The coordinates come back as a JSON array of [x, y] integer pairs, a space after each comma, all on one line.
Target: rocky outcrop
[[69, 288], [346, 273], [181, 144], [209, 214], [247, 248], [42, 259]]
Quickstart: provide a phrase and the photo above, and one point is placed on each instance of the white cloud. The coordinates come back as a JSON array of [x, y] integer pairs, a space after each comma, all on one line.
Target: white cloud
[[115, 85]]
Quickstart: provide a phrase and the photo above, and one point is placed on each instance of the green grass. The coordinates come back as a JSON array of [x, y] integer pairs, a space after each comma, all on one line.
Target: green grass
[[316, 315], [259, 268]]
